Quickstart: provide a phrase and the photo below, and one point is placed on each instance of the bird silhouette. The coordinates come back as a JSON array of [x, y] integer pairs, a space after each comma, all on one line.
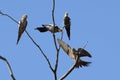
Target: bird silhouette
[[49, 27], [67, 24], [73, 53], [22, 26]]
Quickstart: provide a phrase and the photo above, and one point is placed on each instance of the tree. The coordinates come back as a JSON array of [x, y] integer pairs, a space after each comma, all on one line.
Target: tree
[[44, 28]]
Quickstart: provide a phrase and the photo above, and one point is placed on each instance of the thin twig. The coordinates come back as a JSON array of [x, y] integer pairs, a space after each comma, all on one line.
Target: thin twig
[[53, 9], [54, 38], [9, 17], [73, 66], [53, 20], [9, 67], [40, 50], [31, 40], [57, 56]]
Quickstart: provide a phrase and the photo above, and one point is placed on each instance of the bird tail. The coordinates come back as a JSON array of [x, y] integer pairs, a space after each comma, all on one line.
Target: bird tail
[[67, 27], [81, 63], [19, 36], [83, 52]]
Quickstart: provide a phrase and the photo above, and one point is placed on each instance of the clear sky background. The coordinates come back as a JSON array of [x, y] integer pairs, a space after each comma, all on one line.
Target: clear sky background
[[95, 21]]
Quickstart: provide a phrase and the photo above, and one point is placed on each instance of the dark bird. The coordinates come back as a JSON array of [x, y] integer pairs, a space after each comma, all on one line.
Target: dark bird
[[67, 24], [22, 26], [49, 27], [73, 53]]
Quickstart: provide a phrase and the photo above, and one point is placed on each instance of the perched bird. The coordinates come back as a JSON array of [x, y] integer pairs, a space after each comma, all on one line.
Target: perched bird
[[73, 53], [49, 27], [67, 24], [22, 26]]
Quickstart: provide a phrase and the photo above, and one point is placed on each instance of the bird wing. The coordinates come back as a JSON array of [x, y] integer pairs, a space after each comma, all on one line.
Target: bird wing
[[81, 63], [67, 20], [67, 24], [83, 52], [22, 26], [47, 25], [67, 27], [67, 48]]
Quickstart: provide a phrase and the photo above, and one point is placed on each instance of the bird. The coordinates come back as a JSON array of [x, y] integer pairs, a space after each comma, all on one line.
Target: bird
[[22, 26], [67, 24], [73, 53], [49, 27]]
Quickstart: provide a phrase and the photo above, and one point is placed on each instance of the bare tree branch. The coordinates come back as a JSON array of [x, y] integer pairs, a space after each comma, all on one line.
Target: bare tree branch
[[73, 66], [53, 20], [9, 67], [57, 56], [41, 51], [9, 17], [30, 39], [54, 38], [53, 9]]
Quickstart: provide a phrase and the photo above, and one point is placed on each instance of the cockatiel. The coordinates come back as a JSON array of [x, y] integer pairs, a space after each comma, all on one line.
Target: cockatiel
[[49, 27], [67, 24], [22, 26], [72, 53]]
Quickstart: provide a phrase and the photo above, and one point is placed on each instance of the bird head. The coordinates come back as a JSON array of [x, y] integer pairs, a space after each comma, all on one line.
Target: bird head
[[57, 29], [66, 14], [24, 16]]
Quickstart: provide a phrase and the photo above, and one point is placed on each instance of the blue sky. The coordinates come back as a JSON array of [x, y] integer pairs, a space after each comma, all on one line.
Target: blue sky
[[97, 22]]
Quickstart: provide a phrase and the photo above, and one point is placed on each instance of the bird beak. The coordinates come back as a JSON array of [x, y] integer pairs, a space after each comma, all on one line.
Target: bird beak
[[59, 30]]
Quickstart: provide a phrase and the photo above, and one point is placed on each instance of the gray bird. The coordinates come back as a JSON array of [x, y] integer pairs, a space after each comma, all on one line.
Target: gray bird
[[22, 26], [49, 27], [67, 24], [73, 53]]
